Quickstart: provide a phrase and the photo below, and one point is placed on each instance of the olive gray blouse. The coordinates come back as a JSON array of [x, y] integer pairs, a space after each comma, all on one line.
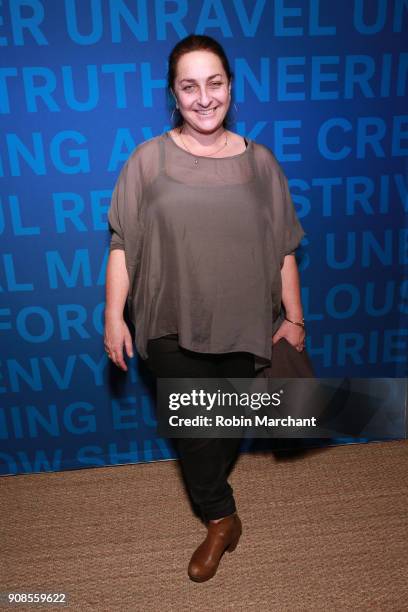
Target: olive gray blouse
[[204, 241]]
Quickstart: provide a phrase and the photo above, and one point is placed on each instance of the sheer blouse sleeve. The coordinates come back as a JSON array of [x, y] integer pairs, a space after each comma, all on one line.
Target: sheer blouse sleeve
[[116, 210], [287, 230], [292, 230], [126, 202]]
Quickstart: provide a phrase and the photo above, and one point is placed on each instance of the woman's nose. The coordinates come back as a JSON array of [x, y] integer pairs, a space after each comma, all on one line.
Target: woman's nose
[[203, 97]]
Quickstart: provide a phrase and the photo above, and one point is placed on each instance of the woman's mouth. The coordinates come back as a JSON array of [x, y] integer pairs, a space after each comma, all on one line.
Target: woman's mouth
[[206, 112]]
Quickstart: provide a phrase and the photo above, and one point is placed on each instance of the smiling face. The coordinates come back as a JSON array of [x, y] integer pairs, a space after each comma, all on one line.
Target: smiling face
[[202, 90]]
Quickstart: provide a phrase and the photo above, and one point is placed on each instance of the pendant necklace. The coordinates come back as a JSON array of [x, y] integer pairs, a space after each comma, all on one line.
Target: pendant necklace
[[195, 158]]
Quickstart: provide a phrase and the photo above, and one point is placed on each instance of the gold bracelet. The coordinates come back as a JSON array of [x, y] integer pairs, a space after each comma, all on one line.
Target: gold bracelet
[[299, 323]]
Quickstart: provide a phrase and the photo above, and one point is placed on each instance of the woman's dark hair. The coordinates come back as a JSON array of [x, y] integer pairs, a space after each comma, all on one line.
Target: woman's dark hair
[[193, 42]]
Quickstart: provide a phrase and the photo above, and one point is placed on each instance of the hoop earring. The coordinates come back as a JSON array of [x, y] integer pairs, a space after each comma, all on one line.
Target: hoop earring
[[172, 114], [235, 112]]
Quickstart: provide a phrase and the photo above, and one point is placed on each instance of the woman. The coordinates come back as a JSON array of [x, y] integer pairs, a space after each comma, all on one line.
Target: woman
[[202, 249]]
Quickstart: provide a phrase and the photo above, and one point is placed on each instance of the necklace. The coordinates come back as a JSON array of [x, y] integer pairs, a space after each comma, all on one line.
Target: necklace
[[196, 160]]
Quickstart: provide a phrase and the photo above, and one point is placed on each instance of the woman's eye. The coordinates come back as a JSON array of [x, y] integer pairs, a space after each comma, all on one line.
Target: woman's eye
[[191, 87]]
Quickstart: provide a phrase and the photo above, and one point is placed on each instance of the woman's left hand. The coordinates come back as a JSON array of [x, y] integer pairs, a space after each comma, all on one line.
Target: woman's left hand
[[294, 334]]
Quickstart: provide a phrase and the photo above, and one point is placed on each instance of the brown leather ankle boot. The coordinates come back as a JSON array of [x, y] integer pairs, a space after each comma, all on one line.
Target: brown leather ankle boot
[[221, 536]]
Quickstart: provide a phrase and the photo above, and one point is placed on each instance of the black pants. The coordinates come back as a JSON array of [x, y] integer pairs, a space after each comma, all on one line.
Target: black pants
[[205, 463]]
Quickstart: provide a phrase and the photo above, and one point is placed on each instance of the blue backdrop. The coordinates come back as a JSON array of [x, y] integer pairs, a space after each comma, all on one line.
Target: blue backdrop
[[82, 82]]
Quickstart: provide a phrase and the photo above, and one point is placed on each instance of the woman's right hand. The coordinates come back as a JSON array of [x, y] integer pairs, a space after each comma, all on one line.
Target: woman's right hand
[[116, 336]]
